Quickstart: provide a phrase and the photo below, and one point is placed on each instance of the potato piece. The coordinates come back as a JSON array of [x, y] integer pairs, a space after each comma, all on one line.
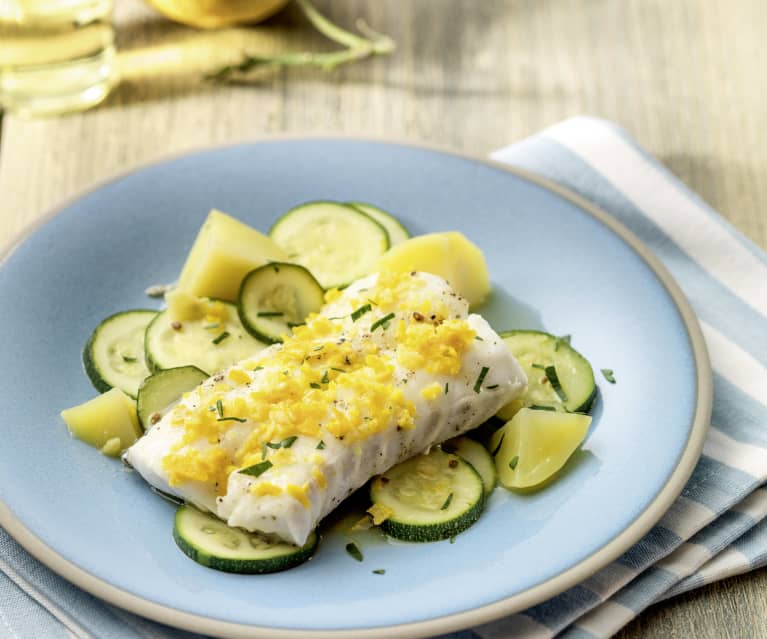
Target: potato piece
[[450, 255], [223, 253], [535, 444], [183, 306], [104, 419]]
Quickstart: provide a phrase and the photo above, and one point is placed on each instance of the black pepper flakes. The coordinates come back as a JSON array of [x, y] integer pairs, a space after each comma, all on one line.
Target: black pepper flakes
[[176, 326]]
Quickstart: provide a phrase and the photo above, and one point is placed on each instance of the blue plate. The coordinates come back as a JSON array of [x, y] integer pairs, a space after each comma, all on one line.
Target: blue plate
[[556, 264]]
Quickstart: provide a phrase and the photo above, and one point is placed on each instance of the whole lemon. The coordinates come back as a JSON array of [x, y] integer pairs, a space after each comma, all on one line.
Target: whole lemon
[[212, 14]]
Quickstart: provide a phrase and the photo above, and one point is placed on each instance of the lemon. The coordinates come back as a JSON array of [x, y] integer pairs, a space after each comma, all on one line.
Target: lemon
[[212, 14]]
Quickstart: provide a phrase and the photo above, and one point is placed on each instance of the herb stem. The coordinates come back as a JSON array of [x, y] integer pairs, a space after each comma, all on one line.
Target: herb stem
[[357, 47]]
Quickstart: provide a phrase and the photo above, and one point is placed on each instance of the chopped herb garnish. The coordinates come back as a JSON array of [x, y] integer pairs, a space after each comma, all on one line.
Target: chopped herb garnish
[[258, 368], [220, 408], [551, 373], [478, 338], [541, 366], [447, 388], [270, 314], [231, 419], [607, 372], [498, 447], [384, 321], [263, 450], [493, 387], [514, 461], [355, 552], [337, 370], [325, 379], [365, 308], [446, 505], [289, 441], [315, 385], [480, 379], [337, 318], [221, 338], [539, 407], [452, 539], [294, 324], [318, 348], [257, 469], [274, 445], [129, 360], [379, 571], [211, 326], [321, 445], [565, 339]]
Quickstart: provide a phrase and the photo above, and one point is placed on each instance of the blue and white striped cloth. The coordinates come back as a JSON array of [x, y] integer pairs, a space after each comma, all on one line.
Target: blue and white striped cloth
[[717, 527]]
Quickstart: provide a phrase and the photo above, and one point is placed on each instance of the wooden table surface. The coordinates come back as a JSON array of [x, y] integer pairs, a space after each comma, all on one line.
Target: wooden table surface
[[686, 77]]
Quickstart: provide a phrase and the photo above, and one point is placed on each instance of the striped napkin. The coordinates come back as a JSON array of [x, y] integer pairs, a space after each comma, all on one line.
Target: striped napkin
[[716, 529]]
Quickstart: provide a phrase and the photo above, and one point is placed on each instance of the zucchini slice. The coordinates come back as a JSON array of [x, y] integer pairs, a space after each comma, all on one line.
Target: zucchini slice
[[397, 232], [431, 497], [160, 390], [275, 297], [558, 376], [114, 354], [210, 542], [336, 242], [478, 456], [210, 344]]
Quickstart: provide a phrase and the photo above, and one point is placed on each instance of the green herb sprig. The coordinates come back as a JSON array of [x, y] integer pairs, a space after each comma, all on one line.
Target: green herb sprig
[[356, 47]]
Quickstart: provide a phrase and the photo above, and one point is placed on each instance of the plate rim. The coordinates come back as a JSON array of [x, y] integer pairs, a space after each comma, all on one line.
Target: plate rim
[[553, 586]]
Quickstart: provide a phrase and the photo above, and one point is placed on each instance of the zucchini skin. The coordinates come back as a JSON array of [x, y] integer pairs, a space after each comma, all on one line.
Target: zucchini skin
[[145, 405], [89, 363], [434, 532], [242, 566], [250, 323], [339, 281], [90, 366], [450, 526], [586, 405]]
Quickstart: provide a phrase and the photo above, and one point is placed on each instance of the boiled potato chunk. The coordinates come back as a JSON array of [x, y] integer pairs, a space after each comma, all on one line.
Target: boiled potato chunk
[[450, 255], [223, 253], [108, 422], [535, 444], [183, 306]]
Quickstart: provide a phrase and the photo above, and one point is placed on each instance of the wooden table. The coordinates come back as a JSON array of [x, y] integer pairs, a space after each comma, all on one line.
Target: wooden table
[[686, 77]]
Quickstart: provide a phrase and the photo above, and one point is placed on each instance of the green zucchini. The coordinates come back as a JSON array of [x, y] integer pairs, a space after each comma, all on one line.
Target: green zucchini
[[478, 456], [210, 346], [397, 232], [275, 297], [210, 542], [165, 387], [114, 353], [336, 242], [558, 376], [430, 497]]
